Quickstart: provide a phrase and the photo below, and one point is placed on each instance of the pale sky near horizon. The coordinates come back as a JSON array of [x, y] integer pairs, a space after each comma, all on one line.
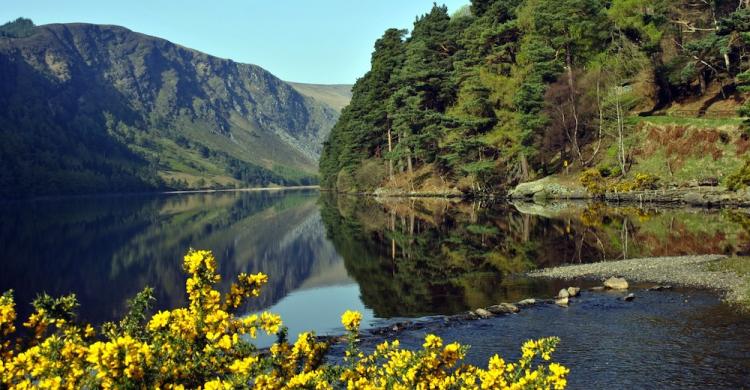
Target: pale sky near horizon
[[323, 41]]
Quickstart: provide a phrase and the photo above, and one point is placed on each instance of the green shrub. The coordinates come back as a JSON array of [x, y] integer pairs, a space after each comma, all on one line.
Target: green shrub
[[739, 179], [592, 180]]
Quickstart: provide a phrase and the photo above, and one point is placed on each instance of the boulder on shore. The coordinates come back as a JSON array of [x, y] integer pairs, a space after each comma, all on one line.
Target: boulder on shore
[[573, 291], [562, 302], [549, 187], [629, 297], [526, 302], [563, 294], [482, 313], [616, 283], [503, 308]]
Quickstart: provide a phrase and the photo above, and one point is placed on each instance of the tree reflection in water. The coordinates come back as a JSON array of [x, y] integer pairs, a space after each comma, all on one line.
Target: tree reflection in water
[[416, 257]]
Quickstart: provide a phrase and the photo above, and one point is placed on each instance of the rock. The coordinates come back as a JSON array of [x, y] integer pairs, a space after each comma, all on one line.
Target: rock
[[573, 291], [482, 313], [503, 308], [695, 199], [616, 283], [629, 297], [548, 188], [562, 302], [399, 326], [526, 302], [597, 288], [709, 182], [470, 315], [563, 294], [660, 288]]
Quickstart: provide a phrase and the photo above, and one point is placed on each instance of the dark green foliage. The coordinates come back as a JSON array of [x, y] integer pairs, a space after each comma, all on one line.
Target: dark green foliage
[[60, 308], [739, 179], [509, 89], [134, 322], [19, 28]]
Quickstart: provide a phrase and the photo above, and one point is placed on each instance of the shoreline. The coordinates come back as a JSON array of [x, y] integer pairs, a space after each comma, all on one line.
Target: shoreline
[[662, 273], [553, 188], [542, 193], [697, 271], [675, 198], [155, 193], [246, 189]]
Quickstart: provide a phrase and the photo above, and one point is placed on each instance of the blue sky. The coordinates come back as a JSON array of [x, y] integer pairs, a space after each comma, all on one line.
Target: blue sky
[[314, 41]]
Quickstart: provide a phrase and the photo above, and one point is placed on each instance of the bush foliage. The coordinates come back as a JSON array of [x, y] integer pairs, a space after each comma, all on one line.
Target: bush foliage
[[598, 184], [739, 179]]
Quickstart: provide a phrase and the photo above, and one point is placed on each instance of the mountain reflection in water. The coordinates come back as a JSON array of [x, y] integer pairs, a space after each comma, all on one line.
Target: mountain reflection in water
[[106, 249]]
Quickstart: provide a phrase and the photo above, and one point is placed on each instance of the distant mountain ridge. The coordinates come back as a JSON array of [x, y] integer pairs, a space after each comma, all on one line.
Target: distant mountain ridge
[[337, 96], [95, 108]]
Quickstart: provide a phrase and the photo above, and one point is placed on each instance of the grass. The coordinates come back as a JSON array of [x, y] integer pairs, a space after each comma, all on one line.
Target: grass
[[697, 122], [336, 96], [678, 150], [739, 266]]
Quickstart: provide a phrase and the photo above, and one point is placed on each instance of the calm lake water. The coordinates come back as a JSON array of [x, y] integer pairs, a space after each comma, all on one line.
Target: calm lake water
[[400, 260]]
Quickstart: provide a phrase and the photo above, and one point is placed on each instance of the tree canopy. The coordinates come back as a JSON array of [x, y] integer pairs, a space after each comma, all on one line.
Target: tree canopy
[[505, 90]]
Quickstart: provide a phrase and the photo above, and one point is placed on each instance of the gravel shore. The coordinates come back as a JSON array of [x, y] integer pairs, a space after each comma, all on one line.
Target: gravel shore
[[689, 271]]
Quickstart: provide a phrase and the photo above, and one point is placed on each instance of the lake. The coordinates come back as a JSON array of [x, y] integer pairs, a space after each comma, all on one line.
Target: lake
[[417, 259]]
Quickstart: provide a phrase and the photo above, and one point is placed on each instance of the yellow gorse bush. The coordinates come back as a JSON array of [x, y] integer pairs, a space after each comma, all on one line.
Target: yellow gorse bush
[[208, 346]]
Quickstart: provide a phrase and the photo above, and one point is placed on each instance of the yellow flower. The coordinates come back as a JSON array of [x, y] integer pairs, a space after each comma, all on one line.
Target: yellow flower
[[271, 323], [159, 320], [217, 384], [351, 320], [225, 342], [243, 366], [432, 341]]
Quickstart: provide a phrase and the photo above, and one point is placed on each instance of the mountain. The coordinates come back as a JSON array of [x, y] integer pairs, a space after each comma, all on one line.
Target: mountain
[[90, 108], [337, 96]]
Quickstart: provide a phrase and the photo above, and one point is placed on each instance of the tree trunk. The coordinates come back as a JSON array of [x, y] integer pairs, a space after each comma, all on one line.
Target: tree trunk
[[390, 149], [524, 167], [393, 229], [573, 109], [620, 132], [409, 165], [526, 230]]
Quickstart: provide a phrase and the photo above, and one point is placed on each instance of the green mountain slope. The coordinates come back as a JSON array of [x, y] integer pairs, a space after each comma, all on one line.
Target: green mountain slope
[[337, 96], [91, 108]]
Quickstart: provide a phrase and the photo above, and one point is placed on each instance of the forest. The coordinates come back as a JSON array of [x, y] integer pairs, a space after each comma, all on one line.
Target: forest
[[505, 91]]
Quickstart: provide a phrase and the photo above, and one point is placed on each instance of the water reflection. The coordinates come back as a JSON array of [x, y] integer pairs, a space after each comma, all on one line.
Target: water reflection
[[431, 256], [400, 258], [106, 249], [390, 258]]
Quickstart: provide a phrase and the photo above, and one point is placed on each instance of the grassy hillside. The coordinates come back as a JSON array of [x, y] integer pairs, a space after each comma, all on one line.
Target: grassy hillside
[[90, 108], [681, 151], [337, 96]]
